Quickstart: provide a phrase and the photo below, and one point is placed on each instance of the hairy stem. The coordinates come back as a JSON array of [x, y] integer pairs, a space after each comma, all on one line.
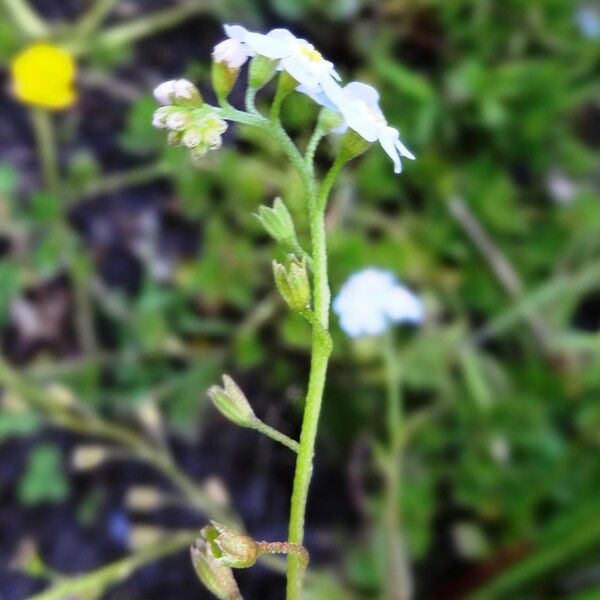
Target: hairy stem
[[275, 435], [320, 351]]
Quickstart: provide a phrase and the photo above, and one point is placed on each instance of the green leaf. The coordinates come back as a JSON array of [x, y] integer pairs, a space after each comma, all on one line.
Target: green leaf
[[43, 480]]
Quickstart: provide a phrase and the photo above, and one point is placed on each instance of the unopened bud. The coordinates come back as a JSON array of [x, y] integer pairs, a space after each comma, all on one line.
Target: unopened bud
[[232, 402], [330, 120], [229, 547], [217, 578], [178, 120], [223, 78], [352, 145], [178, 91], [293, 283], [278, 222], [261, 71]]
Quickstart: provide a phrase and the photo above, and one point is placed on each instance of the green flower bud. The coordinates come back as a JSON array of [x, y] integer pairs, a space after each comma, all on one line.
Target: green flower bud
[[229, 547], [216, 577], [223, 78], [329, 120], [278, 222], [232, 403], [352, 145], [293, 283], [261, 71]]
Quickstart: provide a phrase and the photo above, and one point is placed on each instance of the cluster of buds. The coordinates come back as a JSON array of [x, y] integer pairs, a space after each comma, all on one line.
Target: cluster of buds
[[190, 122]]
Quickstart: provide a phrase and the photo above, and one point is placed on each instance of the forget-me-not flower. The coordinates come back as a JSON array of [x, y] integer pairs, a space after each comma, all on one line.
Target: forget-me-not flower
[[372, 299], [359, 105]]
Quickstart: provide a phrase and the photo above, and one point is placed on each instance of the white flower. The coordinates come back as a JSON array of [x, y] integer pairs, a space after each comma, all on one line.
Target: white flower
[[373, 299], [588, 21], [295, 55], [233, 51], [359, 105], [175, 90]]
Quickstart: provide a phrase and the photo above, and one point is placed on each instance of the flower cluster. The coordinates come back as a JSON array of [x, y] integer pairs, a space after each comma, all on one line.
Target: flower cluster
[[371, 300], [190, 122], [357, 103]]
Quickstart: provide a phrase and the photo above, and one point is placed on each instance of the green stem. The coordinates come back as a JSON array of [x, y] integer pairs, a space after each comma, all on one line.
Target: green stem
[[275, 435], [43, 129], [97, 581], [25, 18], [93, 18], [116, 181], [397, 581], [320, 351], [127, 33], [251, 101], [311, 148]]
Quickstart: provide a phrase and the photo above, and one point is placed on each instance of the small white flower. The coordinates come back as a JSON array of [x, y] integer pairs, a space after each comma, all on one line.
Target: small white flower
[[295, 55], [588, 21], [233, 51], [359, 105], [373, 299]]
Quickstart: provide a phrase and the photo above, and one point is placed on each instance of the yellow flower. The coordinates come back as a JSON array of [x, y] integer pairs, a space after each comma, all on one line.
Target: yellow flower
[[43, 75]]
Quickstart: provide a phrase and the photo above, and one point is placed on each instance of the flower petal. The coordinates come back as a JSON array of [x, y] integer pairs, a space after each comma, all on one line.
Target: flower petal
[[362, 91], [268, 46]]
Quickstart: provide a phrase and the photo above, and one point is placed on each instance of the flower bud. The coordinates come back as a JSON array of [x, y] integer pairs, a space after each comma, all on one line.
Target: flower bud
[[178, 120], [278, 222], [329, 120], [229, 547], [293, 284], [216, 577], [223, 78], [232, 402], [178, 91], [261, 71], [352, 145]]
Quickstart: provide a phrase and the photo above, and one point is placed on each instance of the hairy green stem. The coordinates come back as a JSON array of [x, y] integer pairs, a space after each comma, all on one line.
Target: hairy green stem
[[398, 584], [45, 138], [320, 351], [275, 435]]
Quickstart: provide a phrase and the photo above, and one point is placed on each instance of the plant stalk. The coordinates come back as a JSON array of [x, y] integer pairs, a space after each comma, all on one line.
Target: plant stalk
[[45, 138], [398, 583], [320, 351]]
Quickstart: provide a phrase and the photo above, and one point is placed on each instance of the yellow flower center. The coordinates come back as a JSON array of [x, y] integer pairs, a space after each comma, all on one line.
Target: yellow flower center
[[43, 75], [308, 51]]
